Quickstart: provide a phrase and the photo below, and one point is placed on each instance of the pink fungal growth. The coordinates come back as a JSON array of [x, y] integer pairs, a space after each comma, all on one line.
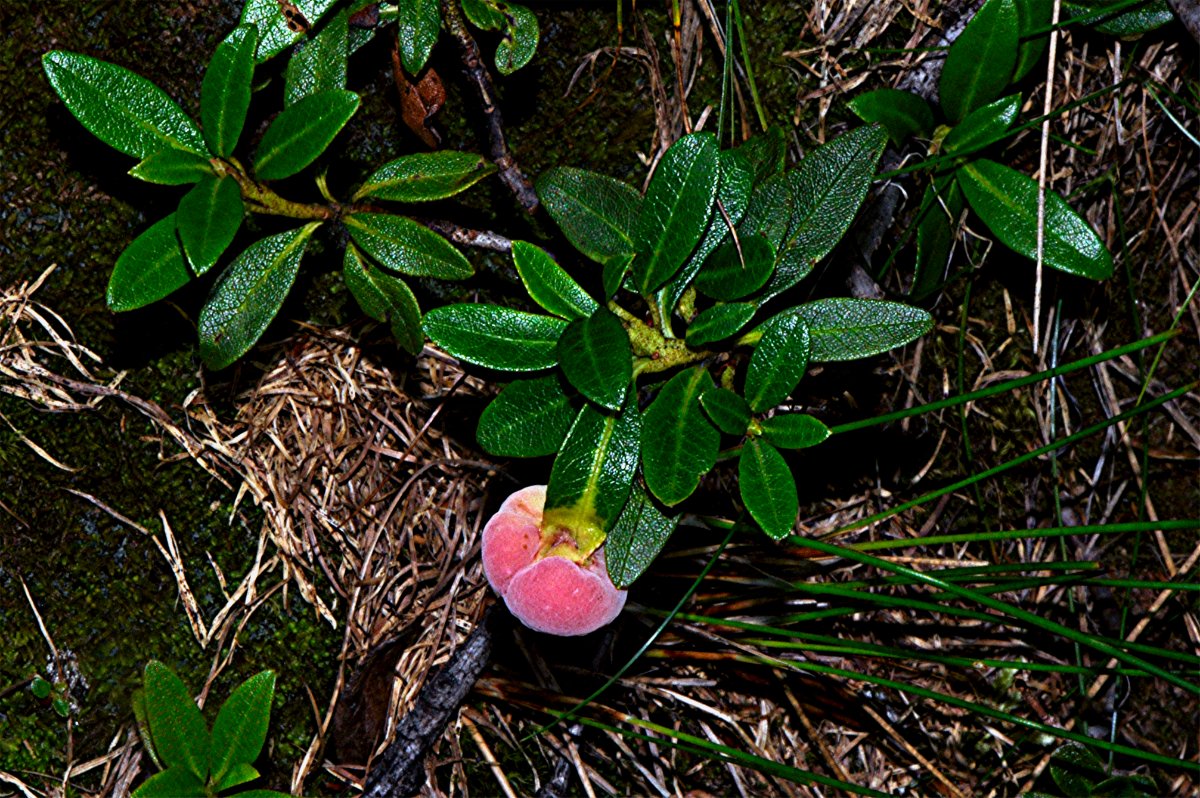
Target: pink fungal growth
[[551, 593]]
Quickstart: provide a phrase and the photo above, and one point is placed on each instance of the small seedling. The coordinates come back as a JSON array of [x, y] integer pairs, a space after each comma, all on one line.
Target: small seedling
[[196, 762]]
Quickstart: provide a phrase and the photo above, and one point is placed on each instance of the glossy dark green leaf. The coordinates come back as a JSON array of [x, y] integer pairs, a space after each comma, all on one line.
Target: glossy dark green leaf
[[901, 113], [302, 132], [779, 361], [1032, 15], [636, 539], [675, 210], [719, 322], [549, 285], [319, 64], [1139, 19], [402, 245], [240, 729], [417, 26], [483, 14], [768, 488], [40, 688], [172, 167], [518, 40], [174, 782], [263, 794], [727, 410], [1076, 769], [765, 153], [225, 92], [238, 774], [384, 298], [793, 430], [179, 731], [425, 176], [847, 329], [980, 63], [279, 29], [770, 211], [122, 109], [983, 125], [528, 418], [149, 269], [496, 337], [679, 444], [208, 218], [594, 355], [1007, 201], [937, 227], [614, 275], [592, 475], [730, 274], [596, 213], [828, 187], [249, 295], [733, 192]]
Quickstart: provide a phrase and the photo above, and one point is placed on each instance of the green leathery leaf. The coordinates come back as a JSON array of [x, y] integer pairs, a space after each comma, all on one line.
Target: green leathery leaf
[[483, 14], [549, 285], [528, 418], [779, 361], [240, 729], [980, 62], [596, 213], [225, 92], [171, 166], [828, 187], [119, 107], [402, 245], [765, 153], [636, 539], [239, 773], [1007, 201], [793, 430], [593, 473], [730, 274], [150, 268], [426, 176], [274, 32], [249, 295], [1140, 18], [319, 64], [518, 40], [208, 218], [180, 734], [174, 782], [727, 410], [496, 337], [613, 275], [847, 329], [768, 488], [733, 192], [302, 132], [770, 211], [675, 210], [937, 227], [719, 322], [901, 113], [679, 444], [384, 298], [595, 356], [417, 26], [1032, 15], [983, 125]]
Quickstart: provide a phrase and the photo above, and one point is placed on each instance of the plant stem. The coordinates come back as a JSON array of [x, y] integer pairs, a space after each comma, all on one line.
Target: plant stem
[[264, 200]]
